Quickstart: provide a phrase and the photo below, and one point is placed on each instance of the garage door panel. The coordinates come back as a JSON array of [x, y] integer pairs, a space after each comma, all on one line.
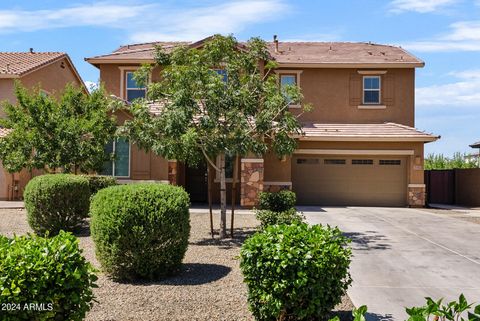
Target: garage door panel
[[319, 182]]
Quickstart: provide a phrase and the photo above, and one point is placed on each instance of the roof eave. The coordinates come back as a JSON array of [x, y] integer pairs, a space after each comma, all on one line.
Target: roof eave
[[99, 61], [8, 76], [352, 65], [424, 139]]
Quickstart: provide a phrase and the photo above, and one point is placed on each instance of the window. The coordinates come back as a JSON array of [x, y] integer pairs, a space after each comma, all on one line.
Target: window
[[362, 161], [120, 165], [334, 161], [288, 80], [390, 162], [309, 161], [229, 167], [371, 90], [133, 90]]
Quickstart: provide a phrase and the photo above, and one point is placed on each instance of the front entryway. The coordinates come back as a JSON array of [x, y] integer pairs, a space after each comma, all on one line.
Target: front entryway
[[350, 180], [196, 183]]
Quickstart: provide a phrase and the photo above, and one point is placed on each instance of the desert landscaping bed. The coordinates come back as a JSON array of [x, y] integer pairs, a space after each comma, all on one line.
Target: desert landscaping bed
[[210, 286]]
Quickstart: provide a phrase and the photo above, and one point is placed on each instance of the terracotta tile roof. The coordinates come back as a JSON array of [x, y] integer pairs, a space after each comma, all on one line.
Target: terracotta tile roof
[[288, 53], [367, 132], [340, 52], [4, 132], [19, 63]]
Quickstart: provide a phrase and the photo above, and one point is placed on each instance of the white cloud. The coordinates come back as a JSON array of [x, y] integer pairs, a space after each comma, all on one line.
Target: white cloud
[[465, 92], [99, 14], [462, 36], [421, 6], [196, 23], [149, 21]]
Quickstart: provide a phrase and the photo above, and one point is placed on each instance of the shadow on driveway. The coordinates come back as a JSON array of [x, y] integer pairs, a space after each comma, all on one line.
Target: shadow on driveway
[[370, 240]]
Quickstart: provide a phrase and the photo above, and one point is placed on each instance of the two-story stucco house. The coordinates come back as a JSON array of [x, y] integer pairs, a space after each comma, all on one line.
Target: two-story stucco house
[[47, 71], [359, 146]]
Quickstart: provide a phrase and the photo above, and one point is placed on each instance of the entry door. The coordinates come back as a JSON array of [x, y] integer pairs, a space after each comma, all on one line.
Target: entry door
[[350, 180], [196, 183]]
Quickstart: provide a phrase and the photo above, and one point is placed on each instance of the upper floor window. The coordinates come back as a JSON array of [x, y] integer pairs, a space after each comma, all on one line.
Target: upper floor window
[[371, 89], [119, 166], [288, 80], [133, 90]]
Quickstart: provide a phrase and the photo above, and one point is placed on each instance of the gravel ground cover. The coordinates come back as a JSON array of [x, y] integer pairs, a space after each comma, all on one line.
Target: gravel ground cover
[[210, 286]]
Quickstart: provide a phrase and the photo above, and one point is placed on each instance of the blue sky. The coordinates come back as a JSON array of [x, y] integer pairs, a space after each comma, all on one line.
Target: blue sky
[[444, 33]]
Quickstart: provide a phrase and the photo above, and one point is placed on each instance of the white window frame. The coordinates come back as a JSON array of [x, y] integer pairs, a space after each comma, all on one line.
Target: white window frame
[[136, 89], [287, 72], [123, 80], [129, 158], [379, 90]]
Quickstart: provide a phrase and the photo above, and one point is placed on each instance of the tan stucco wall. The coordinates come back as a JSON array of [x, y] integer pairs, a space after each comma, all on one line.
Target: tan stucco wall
[[52, 78], [280, 171], [144, 165], [6, 93], [330, 92]]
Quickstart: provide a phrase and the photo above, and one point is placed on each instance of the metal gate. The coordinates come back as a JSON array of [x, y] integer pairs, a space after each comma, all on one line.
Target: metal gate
[[440, 185]]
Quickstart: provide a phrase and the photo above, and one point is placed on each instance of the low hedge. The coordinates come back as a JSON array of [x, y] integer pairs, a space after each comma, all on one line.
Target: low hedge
[[98, 182], [44, 278], [295, 272], [277, 201], [57, 202], [267, 217], [140, 230]]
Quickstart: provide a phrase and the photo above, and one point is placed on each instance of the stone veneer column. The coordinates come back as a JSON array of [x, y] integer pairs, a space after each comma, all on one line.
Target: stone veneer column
[[251, 181], [172, 172], [416, 195]]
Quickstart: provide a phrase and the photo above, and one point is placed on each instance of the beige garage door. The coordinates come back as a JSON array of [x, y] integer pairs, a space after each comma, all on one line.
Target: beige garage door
[[338, 180]]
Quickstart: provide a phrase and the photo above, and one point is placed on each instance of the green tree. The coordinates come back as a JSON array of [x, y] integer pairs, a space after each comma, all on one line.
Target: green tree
[[67, 133], [440, 161], [221, 98]]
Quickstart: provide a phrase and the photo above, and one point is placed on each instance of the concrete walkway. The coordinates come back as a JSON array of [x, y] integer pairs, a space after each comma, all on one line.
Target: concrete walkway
[[11, 204], [403, 255]]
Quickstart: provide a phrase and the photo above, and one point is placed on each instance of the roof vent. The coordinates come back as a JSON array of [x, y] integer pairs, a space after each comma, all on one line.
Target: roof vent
[[275, 42], [31, 50]]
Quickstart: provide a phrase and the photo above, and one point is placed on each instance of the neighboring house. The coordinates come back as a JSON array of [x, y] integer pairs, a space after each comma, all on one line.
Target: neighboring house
[[359, 146], [474, 157], [48, 71]]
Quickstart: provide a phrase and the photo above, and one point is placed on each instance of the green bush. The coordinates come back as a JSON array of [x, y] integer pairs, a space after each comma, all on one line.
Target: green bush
[[295, 272], [267, 217], [48, 272], [98, 182], [140, 230], [57, 202], [277, 201]]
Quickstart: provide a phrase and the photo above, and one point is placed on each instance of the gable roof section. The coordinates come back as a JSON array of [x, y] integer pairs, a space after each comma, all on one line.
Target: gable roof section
[[386, 132], [289, 54], [19, 64]]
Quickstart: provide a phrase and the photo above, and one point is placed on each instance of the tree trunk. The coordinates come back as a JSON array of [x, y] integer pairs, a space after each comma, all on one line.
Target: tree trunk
[[223, 199], [209, 187], [234, 194]]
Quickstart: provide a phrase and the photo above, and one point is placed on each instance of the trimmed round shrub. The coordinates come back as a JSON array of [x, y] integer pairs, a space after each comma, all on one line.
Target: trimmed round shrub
[[98, 182], [44, 278], [277, 201], [267, 217], [295, 272], [57, 202], [140, 230]]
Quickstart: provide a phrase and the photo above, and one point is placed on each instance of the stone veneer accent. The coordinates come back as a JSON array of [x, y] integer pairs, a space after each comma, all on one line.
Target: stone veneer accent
[[172, 172], [416, 195], [251, 181]]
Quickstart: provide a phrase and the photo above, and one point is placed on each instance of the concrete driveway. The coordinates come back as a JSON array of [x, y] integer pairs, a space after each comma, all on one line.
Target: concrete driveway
[[402, 255]]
